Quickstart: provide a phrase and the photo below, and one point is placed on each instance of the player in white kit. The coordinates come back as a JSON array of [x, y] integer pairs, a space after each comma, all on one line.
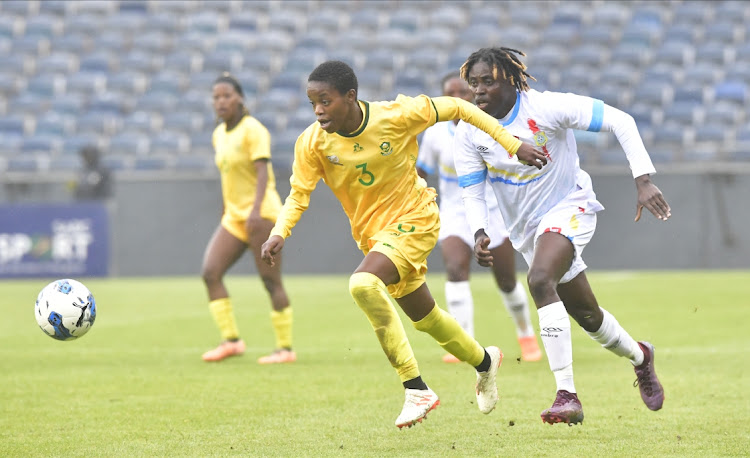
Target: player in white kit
[[456, 239], [549, 207]]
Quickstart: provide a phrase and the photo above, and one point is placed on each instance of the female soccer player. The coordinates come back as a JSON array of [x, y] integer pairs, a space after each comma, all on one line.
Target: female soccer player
[[251, 206], [551, 212], [456, 240], [366, 153]]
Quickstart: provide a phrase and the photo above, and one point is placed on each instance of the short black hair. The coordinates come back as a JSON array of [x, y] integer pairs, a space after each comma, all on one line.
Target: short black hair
[[450, 76], [503, 60], [336, 73], [226, 77]]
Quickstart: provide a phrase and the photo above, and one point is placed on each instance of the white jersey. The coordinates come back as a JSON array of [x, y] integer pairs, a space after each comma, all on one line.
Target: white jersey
[[436, 157], [525, 194]]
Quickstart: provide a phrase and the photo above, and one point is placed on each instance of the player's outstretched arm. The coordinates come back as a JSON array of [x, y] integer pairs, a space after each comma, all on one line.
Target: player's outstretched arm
[[650, 196], [271, 248]]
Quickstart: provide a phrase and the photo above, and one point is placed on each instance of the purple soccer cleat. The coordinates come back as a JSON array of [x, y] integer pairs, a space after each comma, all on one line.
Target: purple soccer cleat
[[651, 391], [566, 409]]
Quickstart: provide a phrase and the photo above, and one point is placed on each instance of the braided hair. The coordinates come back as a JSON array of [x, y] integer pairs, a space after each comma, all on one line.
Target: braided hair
[[501, 59]]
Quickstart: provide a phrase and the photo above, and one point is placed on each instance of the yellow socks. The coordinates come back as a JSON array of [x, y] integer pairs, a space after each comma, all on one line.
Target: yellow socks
[[282, 327], [370, 294], [451, 336], [221, 310]]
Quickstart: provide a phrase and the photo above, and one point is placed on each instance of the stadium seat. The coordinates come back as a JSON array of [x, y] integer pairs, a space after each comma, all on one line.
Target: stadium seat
[[631, 55], [168, 81], [44, 144], [152, 163], [54, 124], [722, 31], [42, 25], [19, 61], [155, 41], [128, 143], [98, 123], [684, 113], [30, 103], [140, 61], [643, 114], [127, 83], [58, 62], [13, 125], [109, 102], [740, 71], [592, 55], [163, 22], [116, 163], [724, 113], [736, 12], [84, 24], [133, 8], [23, 163], [327, 21], [692, 14], [291, 80], [142, 122], [610, 14], [86, 83], [245, 21], [194, 162], [68, 104], [223, 61], [46, 85], [10, 144], [98, 62], [689, 93], [702, 73], [235, 41], [449, 17], [536, 17], [183, 121], [65, 163], [76, 44], [601, 34], [197, 99], [408, 21], [675, 53], [368, 19], [274, 41], [206, 22], [115, 43], [653, 94], [382, 59], [31, 45], [72, 144], [156, 101], [17, 7], [169, 143], [10, 83], [201, 143], [712, 53], [731, 91]]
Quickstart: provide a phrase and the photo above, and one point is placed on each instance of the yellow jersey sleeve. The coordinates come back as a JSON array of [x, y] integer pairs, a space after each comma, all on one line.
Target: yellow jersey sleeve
[[455, 108], [258, 141], [306, 172]]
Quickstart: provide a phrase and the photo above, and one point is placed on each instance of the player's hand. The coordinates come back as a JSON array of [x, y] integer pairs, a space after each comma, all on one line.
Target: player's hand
[[530, 155], [650, 196], [271, 248], [481, 250], [254, 220]]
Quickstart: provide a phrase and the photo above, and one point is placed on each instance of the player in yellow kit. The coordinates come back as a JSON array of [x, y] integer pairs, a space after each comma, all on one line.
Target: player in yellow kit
[[366, 153], [251, 206]]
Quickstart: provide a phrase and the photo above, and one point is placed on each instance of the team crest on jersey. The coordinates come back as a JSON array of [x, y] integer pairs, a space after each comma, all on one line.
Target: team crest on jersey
[[333, 159], [540, 138], [357, 148], [385, 149]]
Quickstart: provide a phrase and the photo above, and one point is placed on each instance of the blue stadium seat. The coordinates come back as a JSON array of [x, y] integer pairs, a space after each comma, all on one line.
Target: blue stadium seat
[[680, 33], [702, 73], [43, 26], [235, 41], [201, 143], [368, 19], [12, 125], [108, 102], [54, 124], [18, 61], [535, 18], [642, 35], [303, 63], [327, 21], [23, 163], [610, 14], [740, 71], [653, 94], [30, 103], [261, 61], [46, 85], [245, 21], [76, 44], [408, 21], [142, 122], [133, 8], [567, 15], [58, 62], [129, 143], [98, 123], [67, 163], [449, 17], [10, 144], [689, 93], [275, 41], [287, 22], [152, 163], [197, 100], [282, 144], [206, 22], [187, 122], [684, 113], [631, 55], [10, 83], [31, 45], [223, 61], [86, 83], [602, 34], [43, 144], [84, 24], [427, 59], [164, 22], [10, 26], [156, 101], [113, 42], [140, 61], [723, 113], [97, 62], [382, 59], [691, 13], [722, 31], [576, 78], [68, 104], [251, 82], [72, 144], [731, 91], [291, 80], [170, 143], [115, 162], [643, 114], [436, 38], [168, 81], [127, 83], [592, 55], [16, 7], [675, 53], [96, 8], [712, 53], [153, 42], [270, 118], [732, 11]]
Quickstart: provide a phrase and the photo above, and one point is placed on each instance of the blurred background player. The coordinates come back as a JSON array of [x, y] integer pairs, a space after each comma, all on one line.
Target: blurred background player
[[457, 241], [551, 212], [251, 205], [366, 153], [95, 180]]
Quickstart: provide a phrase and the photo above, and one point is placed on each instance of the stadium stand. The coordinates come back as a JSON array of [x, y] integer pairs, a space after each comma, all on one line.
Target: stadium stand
[[135, 76]]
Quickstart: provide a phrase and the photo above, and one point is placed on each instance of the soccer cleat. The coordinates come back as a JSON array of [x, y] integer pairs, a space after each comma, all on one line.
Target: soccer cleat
[[652, 392], [566, 409], [279, 356], [448, 358], [487, 382], [530, 350], [416, 406], [225, 350]]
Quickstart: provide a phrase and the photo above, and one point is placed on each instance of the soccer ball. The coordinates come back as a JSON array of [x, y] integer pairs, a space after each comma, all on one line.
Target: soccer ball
[[65, 309]]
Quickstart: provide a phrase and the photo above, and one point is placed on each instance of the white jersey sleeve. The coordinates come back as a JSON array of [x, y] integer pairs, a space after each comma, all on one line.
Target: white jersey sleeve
[[472, 173]]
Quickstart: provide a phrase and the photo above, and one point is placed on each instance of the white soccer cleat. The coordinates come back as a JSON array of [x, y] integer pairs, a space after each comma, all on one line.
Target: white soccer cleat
[[416, 406], [487, 382]]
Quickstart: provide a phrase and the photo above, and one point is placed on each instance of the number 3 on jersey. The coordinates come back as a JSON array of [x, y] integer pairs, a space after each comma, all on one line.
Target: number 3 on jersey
[[367, 177]]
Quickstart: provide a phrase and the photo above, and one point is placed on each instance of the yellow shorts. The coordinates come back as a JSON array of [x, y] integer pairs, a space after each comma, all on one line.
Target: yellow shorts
[[407, 243], [236, 227]]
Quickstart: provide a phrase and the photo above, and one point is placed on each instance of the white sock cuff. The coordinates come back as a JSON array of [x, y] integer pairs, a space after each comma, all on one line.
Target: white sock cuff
[[457, 289], [552, 312], [517, 296]]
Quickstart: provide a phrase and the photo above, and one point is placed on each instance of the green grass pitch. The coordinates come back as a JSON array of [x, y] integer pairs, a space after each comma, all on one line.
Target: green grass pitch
[[135, 385]]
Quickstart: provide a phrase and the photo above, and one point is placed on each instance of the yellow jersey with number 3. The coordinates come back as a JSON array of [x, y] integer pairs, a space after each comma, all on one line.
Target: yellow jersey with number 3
[[372, 170], [236, 152]]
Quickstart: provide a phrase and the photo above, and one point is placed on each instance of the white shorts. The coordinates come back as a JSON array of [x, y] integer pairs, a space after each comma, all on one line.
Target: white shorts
[[453, 223], [575, 223]]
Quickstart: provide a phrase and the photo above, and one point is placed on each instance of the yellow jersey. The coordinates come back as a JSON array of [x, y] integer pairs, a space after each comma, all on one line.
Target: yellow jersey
[[372, 170], [236, 152]]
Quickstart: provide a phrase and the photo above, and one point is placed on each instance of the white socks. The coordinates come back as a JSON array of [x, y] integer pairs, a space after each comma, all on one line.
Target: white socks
[[615, 339], [517, 304], [555, 332], [460, 304]]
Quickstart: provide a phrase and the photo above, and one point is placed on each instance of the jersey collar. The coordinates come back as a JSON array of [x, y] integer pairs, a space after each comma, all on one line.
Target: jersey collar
[[513, 113], [365, 117]]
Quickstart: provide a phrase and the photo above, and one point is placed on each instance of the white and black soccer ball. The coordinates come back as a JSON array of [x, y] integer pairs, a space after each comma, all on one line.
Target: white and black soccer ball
[[65, 309]]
